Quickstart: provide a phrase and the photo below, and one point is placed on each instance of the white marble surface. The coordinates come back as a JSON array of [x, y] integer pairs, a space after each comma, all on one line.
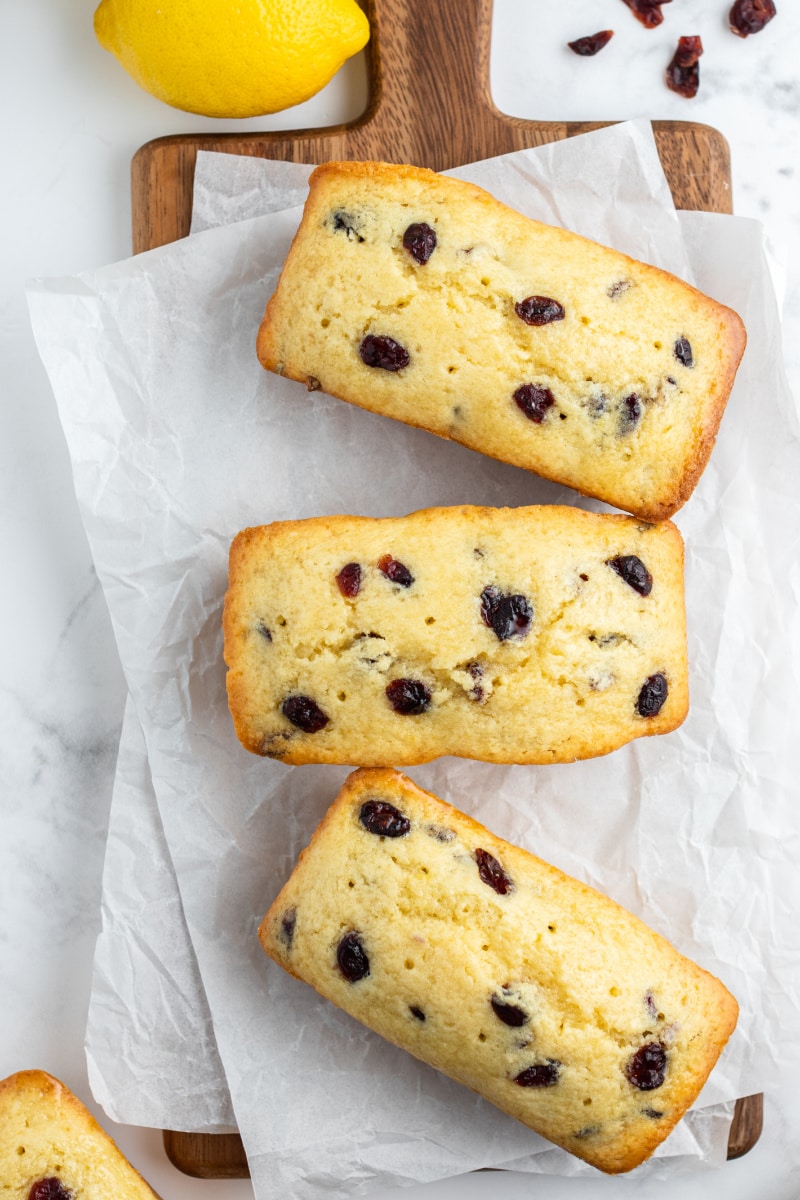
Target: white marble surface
[[74, 122]]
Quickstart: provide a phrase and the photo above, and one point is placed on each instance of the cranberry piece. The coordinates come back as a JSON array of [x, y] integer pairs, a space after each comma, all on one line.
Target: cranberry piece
[[349, 580], [492, 874], [344, 222], [683, 352], [539, 1075], [633, 571], [750, 16], [652, 696], [534, 401], [630, 413], [383, 352], [647, 11], [683, 72], [588, 46], [395, 571], [653, 1113], [409, 697], [383, 819], [619, 288], [288, 922], [305, 713], [508, 615], [648, 1066], [651, 1006], [262, 629], [416, 1012], [352, 957], [49, 1189], [509, 1014], [539, 310], [420, 242]]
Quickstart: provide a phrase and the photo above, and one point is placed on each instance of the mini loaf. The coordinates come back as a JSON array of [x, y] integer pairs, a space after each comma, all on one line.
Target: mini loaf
[[529, 635], [51, 1147], [425, 299], [529, 987]]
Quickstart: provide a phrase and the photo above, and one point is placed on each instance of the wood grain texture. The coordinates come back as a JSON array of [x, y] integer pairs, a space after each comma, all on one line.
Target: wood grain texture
[[222, 1156], [430, 104]]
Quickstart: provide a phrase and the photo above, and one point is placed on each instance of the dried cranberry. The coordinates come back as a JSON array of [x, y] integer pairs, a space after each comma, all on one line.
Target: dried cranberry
[[383, 819], [262, 629], [652, 696], [539, 1075], [492, 874], [539, 310], [409, 697], [509, 1014], [352, 957], [648, 1066], [683, 72], [395, 571], [305, 713], [650, 1005], [647, 11], [416, 1012], [384, 352], [508, 615], [420, 242], [630, 413], [344, 222], [349, 580], [750, 16], [534, 401], [683, 352], [587, 46], [49, 1189], [633, 571], [288, 922]]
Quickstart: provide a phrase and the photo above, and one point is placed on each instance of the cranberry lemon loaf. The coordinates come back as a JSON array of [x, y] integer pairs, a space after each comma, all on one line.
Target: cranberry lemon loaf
[[424, 298], [530, 635], [529, 987], [51, 1147]]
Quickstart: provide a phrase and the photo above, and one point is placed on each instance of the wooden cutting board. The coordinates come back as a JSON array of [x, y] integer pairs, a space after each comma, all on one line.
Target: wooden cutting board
[[430, 104]]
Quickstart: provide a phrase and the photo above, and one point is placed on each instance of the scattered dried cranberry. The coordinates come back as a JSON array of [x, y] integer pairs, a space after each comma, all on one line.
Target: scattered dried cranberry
[[395, 571], [420, 242], [344, 222], [630, 413], [492, 874], [383, 819], [352, 957], [539, 310], [652, 696], [539, 1075], [650, 1005], [49, 1189], [305, 713], [508, 615], [683, 72], [683, 352], [349, 580], [750, 16], [633, 571], [416, 1012], [534, 401], [648, 1066], [509, 1014], [288, 922], [409, 697], [589, 45], [262, 629], [383, 352], [647, 11]]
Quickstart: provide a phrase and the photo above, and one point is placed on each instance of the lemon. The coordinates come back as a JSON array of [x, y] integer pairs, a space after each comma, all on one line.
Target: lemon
[[231, 58]]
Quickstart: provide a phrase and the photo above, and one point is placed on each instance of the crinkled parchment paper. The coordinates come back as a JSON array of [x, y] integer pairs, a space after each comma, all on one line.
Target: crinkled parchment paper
[[178, 439]]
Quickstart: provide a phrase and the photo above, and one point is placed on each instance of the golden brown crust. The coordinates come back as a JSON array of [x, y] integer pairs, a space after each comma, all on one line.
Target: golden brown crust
[[601, 943], [650, 472], [46, 1132]]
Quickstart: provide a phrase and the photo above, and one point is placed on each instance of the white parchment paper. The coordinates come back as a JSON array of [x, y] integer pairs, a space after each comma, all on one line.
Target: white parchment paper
[[178, 440]]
